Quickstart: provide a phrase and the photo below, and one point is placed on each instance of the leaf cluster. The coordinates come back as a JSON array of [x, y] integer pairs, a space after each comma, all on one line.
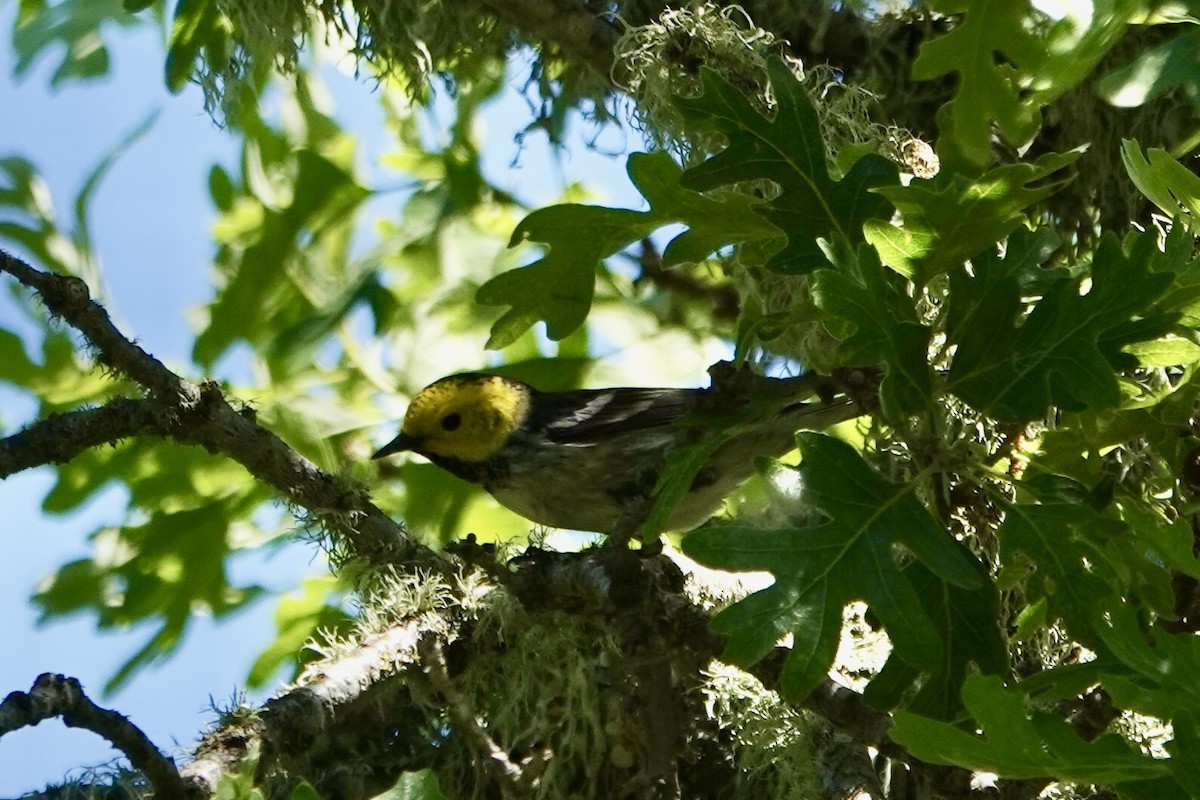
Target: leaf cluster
[[1000, 343]]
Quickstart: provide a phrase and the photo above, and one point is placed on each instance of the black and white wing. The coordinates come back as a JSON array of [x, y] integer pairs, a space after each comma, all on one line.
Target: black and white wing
[[585, 417]]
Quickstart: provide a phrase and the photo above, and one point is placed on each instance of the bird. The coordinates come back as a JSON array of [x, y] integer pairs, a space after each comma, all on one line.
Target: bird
[[590, 459]]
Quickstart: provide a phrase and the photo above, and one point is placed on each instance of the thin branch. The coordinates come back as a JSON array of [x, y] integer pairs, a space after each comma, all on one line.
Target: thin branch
[[68, 297], [722, 296], [60, 437], [60, 696], [199, 414], [509, 776]]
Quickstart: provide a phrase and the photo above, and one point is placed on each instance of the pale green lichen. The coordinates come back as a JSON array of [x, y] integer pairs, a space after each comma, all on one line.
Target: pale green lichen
[[776, 746], [658, 61], [661, 60]]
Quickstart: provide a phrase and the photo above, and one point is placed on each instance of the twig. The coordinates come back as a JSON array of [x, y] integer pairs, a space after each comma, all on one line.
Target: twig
[[67, 296], [509, 776], [60, 696], [723, 296]]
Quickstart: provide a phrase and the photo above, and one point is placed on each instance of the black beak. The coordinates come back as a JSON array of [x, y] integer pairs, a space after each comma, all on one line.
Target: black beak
[[398, 445]]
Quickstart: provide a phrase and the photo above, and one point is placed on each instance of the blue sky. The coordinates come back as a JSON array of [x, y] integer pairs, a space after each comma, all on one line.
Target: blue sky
[[150, 223]]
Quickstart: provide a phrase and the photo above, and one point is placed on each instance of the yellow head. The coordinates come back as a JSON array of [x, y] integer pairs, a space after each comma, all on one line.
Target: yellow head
[[464, 417]]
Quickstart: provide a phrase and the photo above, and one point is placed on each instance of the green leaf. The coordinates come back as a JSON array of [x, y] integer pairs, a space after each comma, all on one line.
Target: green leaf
[[558, 287], [15, 366], [305, 791], [1167, 183], [1062, 354], [987, 91], [76, 585], [421, 785], [819, 569], [261, 295], [1166, 352], [292, 348], [1016, 744], [434, 499], [1011, 61], [1057, 539], [1183, 764], [1154, 72], [1164, 788], [95, 177], [73, 28], [198, 26], [238, 782], [1164, 664], [558, 374], [952, 218], [297, 619], [171, 563], [1083, 558], [221, 188], [34, 224], [884, 328], [967, 622], [675, 481], [788, 150]]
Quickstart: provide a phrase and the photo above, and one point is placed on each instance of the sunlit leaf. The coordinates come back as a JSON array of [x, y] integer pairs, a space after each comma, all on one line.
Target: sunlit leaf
[[952, 218], [786, 149], [198, 25], [1168, 184], [79, 28], [1171, 66], [558, 287], [1018, 744], [422, 785], [819, 569], [297, 619], [1016, 369]]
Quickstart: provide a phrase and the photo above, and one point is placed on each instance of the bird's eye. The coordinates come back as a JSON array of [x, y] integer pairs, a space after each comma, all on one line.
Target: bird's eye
[[450, 422]]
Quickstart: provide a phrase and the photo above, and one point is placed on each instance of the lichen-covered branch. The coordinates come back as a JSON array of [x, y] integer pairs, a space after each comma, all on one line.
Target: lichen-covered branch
[[294, 727], [508, 773]]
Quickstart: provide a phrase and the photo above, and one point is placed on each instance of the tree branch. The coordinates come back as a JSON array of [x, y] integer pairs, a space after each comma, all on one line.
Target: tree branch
[[646, 593], [296, 724], [68, 297], [60, 696], [60, 437], [199, 414], [509, 775]]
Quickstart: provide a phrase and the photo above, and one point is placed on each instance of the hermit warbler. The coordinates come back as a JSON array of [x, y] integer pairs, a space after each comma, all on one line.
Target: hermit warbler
[[589, 460]]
